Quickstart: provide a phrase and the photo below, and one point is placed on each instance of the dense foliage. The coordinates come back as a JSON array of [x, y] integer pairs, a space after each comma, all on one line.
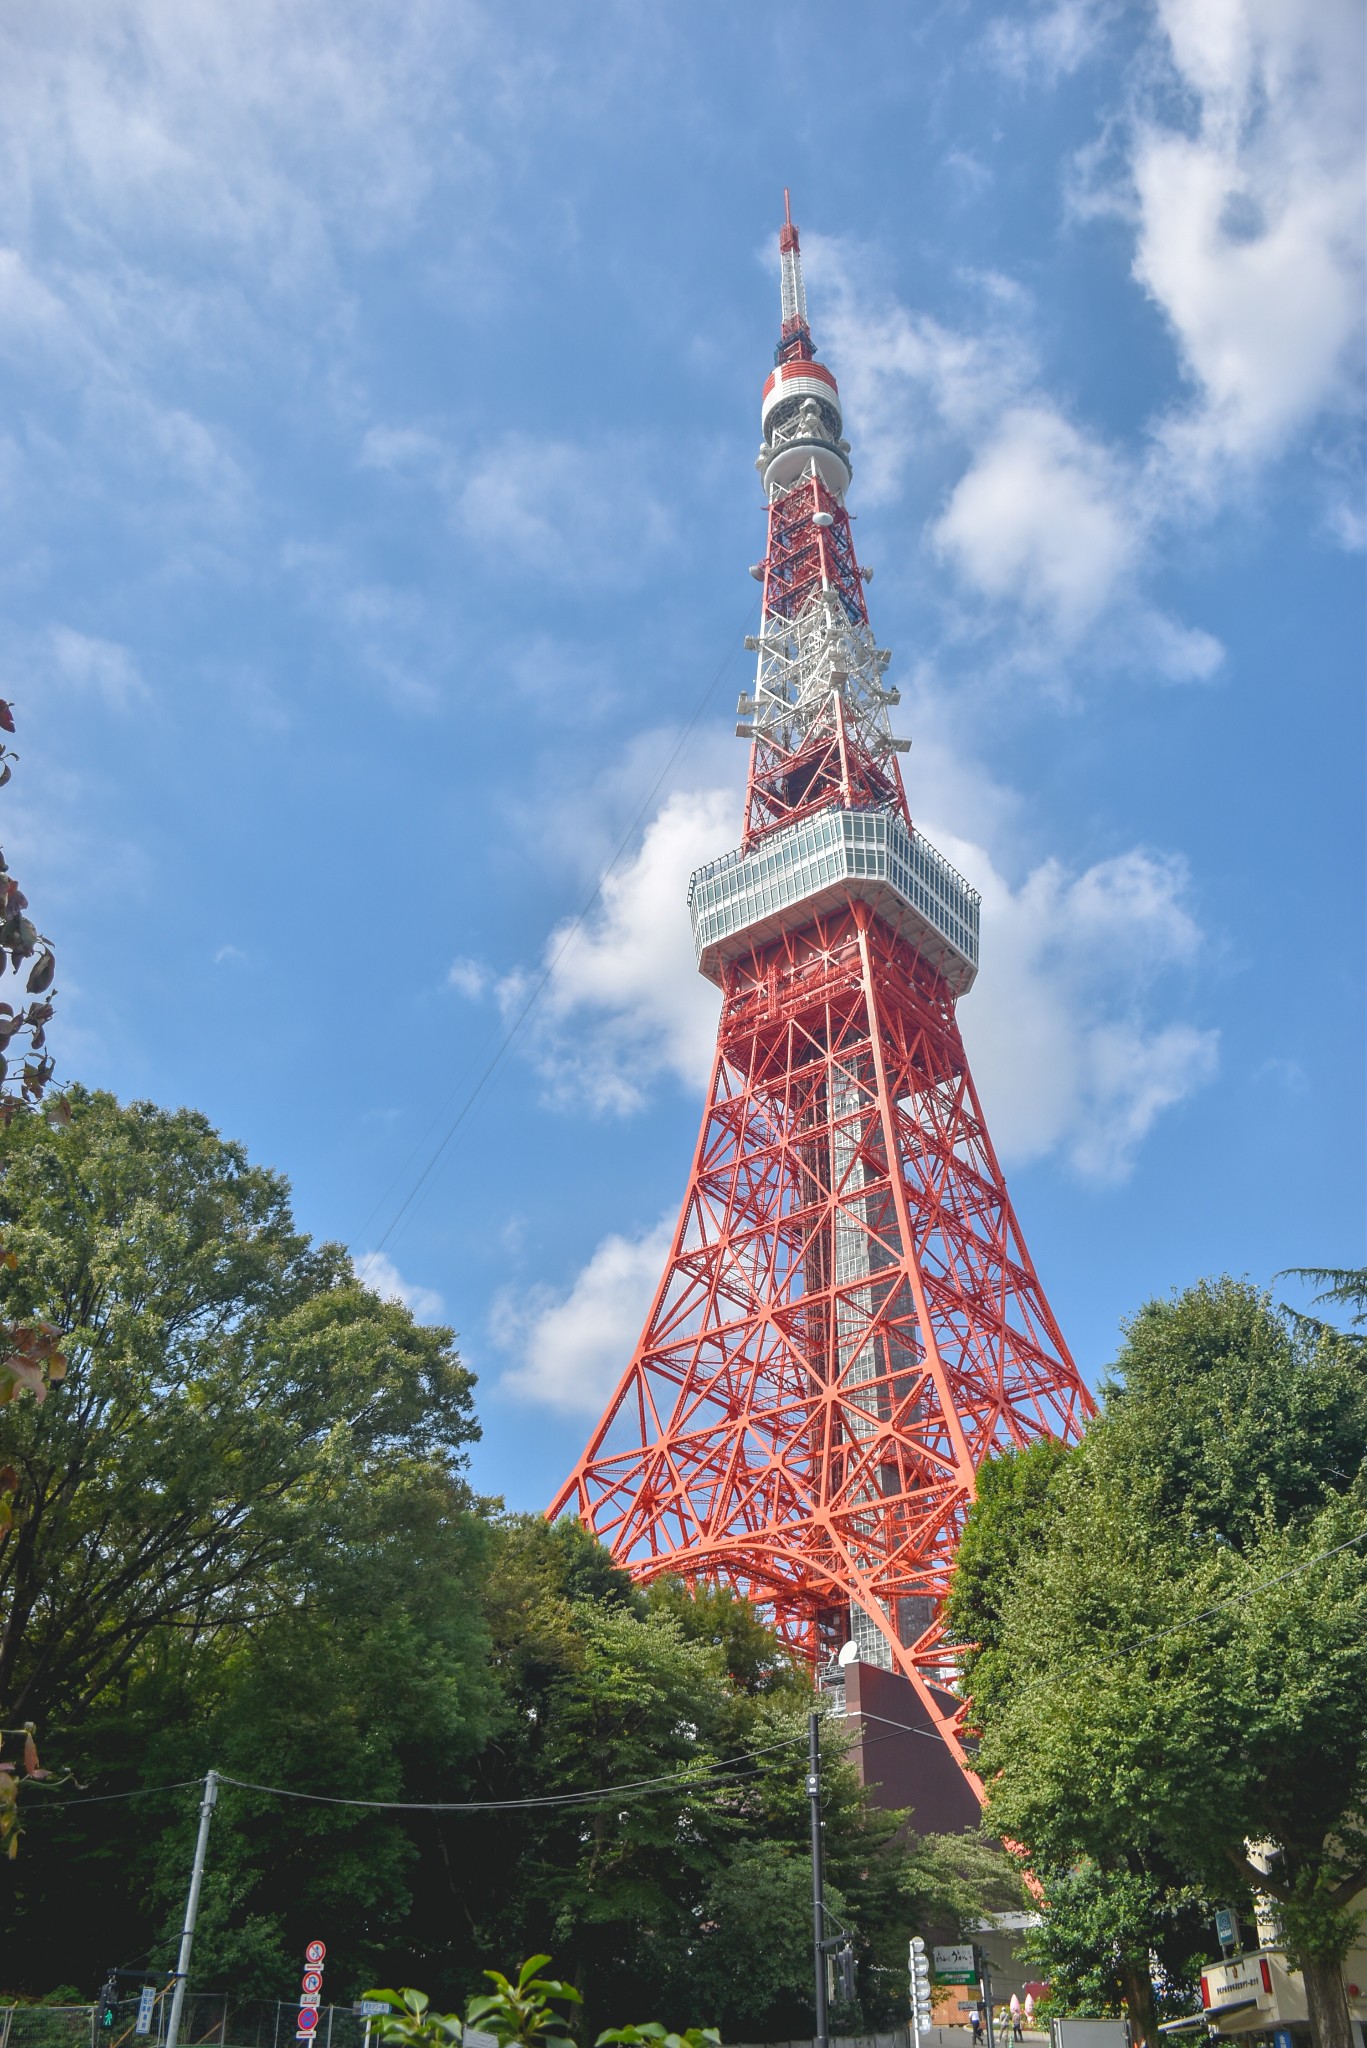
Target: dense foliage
[[1171, 1631], [245, 1538]]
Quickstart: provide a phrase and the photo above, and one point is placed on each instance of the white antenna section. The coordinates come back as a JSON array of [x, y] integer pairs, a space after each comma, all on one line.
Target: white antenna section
[[794, 291]]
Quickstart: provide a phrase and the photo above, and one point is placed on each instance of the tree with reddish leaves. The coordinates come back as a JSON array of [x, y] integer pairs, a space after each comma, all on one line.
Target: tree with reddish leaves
[[29, 1357]]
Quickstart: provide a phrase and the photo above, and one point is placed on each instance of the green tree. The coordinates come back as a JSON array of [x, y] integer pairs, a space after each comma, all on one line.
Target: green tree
[[229, 1386], [240, 1514], [245, 1540], [692, 1898], [1180, 1658], [752, 1656], [950, 1881], [1100, 1928]]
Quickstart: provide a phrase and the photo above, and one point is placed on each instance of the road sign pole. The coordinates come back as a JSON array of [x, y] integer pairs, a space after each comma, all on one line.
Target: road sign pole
[[818, 1877], [187, 1932]]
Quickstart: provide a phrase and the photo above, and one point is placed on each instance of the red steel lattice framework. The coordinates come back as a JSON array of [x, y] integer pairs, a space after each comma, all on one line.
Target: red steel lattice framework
[[848, 1321]]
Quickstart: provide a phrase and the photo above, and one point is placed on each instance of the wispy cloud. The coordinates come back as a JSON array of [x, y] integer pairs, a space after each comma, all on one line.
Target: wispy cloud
[[572, 1347], [1070, 1027], [469, 978], [1246, 223], [1249, 230], [580, 512], [1046, 43], [388, 630], [103, 667], [380, 1273]]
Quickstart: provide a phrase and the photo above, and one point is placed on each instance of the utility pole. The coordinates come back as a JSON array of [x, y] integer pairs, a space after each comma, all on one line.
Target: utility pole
[[986, 1980], [818, 1877], [187, 1932]]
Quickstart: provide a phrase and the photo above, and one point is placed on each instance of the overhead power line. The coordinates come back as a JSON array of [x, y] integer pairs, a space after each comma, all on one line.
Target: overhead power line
[[697, 1774], [572, 932], [1263, 1585]]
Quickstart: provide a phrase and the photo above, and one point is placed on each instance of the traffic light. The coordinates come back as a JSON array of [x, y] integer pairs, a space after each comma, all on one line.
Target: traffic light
[[109, 2011], [849, 1989]]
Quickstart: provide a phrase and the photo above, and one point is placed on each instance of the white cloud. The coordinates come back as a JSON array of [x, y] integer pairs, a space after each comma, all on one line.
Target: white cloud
[[1046, 43], [1235, 166], [101, 666], [377, 1271], [469, 978], [1069, 1028], [1065, 1028], [582, 512], [626, 1002], [1042, 516], [908, 380], [1050, 531], [573, 1347], [1250, 223]]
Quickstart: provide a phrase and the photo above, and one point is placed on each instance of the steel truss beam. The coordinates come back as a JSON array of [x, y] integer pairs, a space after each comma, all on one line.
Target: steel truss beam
[[848, 1321]]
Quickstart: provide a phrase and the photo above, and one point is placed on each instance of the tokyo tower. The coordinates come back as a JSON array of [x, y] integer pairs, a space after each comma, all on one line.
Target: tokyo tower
[[848, 1321]]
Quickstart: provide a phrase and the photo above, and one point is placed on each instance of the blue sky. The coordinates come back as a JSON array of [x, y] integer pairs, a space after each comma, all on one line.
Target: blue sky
[[381, 394]]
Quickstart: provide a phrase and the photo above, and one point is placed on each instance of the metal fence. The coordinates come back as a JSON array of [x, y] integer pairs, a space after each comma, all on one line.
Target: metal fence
[[208, 2019], [47, 2026], [900, 2037], [212, 2019]]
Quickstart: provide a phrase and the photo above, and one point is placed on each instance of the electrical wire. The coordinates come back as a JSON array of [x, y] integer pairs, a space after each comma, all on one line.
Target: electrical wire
[[572, 932], [103, 1798], [634, 1787], [1248, 1592], [905, 1727], [630, 1788]]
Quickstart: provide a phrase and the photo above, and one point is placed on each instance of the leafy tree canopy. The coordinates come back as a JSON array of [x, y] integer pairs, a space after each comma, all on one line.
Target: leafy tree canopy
[[231, 1395], [1178, 1652], [244, 1538]]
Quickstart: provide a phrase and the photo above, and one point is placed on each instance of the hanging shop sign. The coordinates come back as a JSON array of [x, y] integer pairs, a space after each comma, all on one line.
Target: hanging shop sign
[[956, 1964]]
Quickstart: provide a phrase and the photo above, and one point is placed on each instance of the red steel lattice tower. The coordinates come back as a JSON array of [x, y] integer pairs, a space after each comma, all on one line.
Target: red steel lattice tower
[[848, 1321]]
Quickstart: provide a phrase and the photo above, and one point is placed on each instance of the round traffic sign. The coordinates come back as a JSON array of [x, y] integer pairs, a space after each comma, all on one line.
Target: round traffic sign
[[313, 1980], [308, 2019], [315, 1952]]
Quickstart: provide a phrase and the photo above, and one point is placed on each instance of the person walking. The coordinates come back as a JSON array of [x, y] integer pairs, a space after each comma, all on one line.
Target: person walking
[[1016, 2034], [975, 2020]]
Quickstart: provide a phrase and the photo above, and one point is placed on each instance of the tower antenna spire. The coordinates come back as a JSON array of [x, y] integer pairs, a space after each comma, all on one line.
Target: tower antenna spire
[[795, 339]]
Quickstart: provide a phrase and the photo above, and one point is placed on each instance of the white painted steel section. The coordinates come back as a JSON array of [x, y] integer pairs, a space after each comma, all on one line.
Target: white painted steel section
[[795, 459], [792, 288], [804, 662], [744, 899], [800, 380]]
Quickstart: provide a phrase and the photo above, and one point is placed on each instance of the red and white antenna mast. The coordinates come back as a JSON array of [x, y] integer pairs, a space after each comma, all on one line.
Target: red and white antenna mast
[[793, 292], [848, 1321]]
